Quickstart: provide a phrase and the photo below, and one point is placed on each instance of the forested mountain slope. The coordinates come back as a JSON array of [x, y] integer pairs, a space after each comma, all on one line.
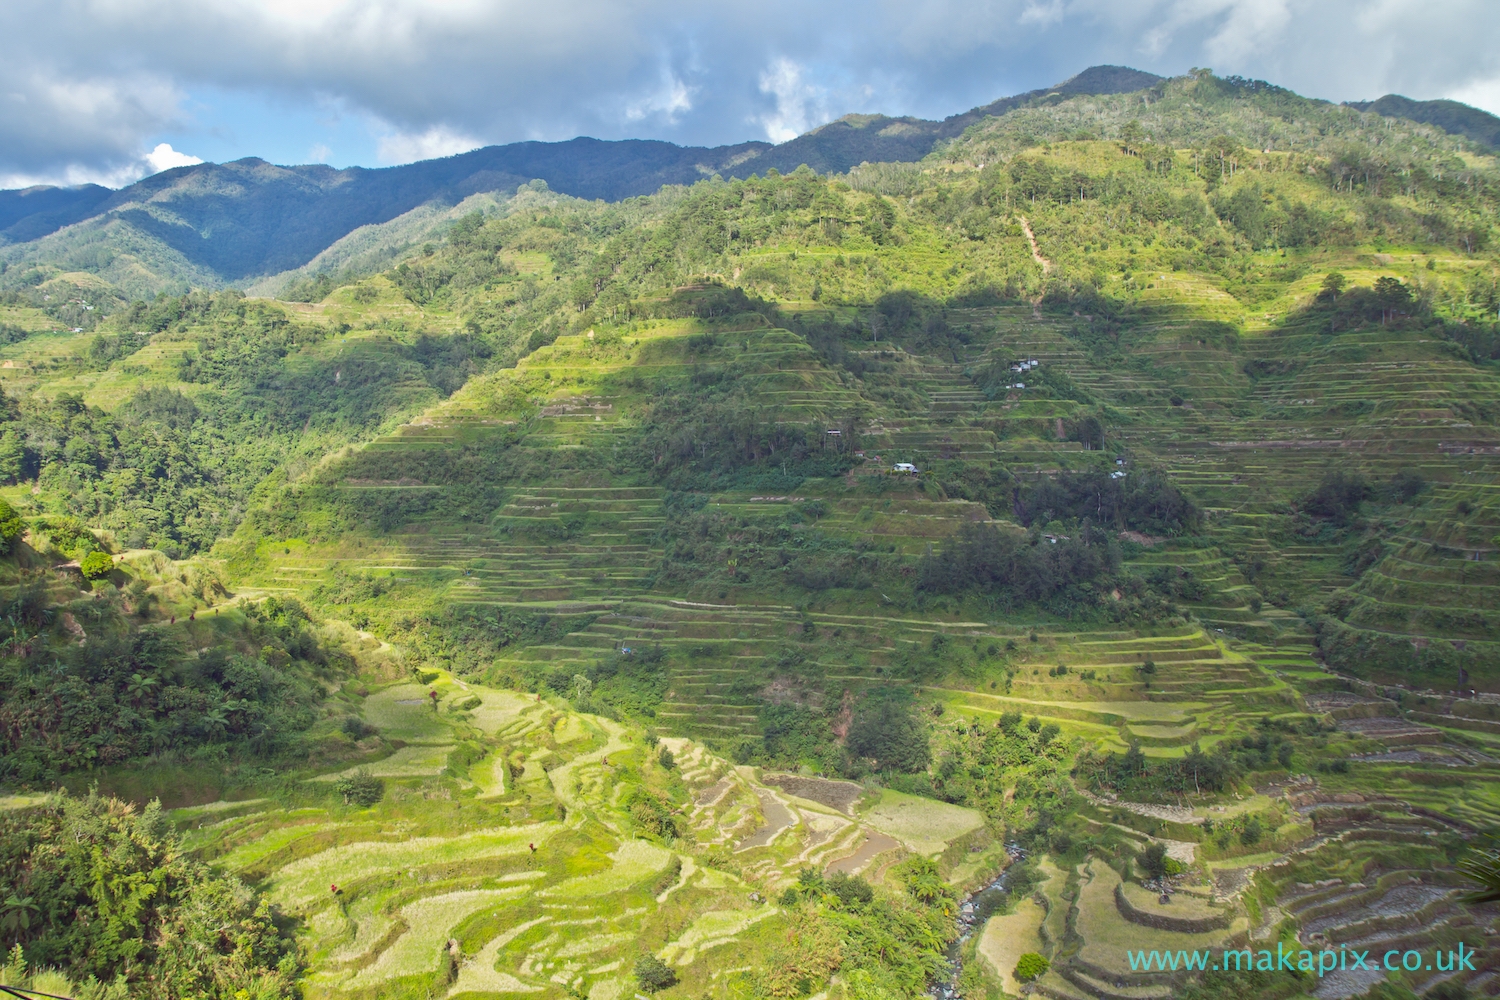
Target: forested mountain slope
[[1198, 566], [229, 224]]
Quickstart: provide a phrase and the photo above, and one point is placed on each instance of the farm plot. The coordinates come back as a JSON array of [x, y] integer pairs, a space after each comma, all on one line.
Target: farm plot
[[429, 922], [1009, 936], [634, 860], [710, 930], [921, 824], [404, 712], [408, 762], [308, 879]]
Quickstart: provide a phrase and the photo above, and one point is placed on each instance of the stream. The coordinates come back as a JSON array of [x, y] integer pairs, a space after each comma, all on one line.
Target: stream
[[973, 910]]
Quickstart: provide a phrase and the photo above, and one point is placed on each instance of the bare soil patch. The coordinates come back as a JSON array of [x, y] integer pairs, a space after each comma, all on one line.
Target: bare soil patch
[[840, 795]]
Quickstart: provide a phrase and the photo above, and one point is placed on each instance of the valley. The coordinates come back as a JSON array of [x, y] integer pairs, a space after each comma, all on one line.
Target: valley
[[553, 613]]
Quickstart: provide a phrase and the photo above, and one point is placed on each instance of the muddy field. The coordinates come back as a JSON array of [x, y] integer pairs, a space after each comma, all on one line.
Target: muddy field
[[840, 795]]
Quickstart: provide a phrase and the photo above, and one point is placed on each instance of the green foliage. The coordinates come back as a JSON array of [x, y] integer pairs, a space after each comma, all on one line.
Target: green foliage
[[360, 788], [1143, 500], [1031, 966], [1484, 868], [852, 890], [653, 816], [1018, 567], [888, 733], [111, 893], [131, 691], [11, 527], [653, 975], [1153, 860], [96, 565]]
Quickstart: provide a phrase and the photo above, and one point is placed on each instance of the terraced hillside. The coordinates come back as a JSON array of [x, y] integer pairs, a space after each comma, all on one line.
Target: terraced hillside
[[1081, 520], [539, 866]]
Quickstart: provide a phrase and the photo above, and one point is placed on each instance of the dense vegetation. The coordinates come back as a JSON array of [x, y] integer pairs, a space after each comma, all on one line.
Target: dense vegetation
[[87, 685], [1190, 393], [103, 891]]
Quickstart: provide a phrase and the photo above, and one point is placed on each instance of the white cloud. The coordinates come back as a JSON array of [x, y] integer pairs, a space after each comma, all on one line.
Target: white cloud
[[1252, 26], [1481, 94], [118, 175], [319, 153], [798, 103], [85, 85], [670, 100], [164, 157], [1042, 13], [439, 140]]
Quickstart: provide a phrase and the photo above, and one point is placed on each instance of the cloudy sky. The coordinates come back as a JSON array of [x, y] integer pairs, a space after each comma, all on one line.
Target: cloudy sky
[[110, 90]]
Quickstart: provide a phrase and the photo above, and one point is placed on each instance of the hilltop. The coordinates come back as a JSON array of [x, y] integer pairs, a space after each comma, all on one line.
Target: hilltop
[[252, 224]]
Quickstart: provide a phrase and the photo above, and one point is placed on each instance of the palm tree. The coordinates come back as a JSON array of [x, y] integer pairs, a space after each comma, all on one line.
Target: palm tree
[[215, 722], [1484, 868], [18, 912], [138, 687]]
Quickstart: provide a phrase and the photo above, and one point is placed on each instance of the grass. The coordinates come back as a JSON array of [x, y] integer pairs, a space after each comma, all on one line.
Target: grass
[[922, 824], [1009, 936], [306, 880], [429, 922], [633, 860]]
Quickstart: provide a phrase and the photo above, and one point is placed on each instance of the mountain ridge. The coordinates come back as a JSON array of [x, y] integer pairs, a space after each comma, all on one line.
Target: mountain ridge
[[247, 221]]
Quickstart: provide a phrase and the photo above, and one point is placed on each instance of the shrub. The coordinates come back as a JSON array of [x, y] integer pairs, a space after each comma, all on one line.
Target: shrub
[[1153, 861], [852, 890], [361, 789], [11, 527], [1031, 966], [666, 759], [669, 876], [1252, 833], [355, 728], [96, 565], [653, 974]]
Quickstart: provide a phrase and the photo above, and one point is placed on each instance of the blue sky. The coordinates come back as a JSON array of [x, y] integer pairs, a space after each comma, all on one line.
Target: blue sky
[[108, 90]]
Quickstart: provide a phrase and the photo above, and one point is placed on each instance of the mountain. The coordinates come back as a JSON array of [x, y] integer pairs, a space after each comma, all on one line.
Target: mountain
[[855, 139], [1450, 116], [711, 588], [227, 223], [34, 212], [250, 223]]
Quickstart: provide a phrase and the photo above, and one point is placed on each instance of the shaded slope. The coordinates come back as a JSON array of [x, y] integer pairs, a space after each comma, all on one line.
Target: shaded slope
[[33, 212], [1450, 116]]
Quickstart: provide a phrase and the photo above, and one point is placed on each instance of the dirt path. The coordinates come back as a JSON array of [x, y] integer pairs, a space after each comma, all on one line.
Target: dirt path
[[1036, 254]]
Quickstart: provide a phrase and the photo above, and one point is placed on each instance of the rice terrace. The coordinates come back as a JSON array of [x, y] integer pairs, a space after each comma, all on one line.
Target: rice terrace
[[951, 575]]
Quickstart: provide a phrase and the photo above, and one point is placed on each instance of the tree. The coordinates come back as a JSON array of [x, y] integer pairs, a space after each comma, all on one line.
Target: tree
[[653, 974], [666, 759], [1031, 966], [96, 565], [1484, 868], [1333, 284], [11, 527], [1153, 861], [583, 690], [12, 456], [361, 789], [138, 687]]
